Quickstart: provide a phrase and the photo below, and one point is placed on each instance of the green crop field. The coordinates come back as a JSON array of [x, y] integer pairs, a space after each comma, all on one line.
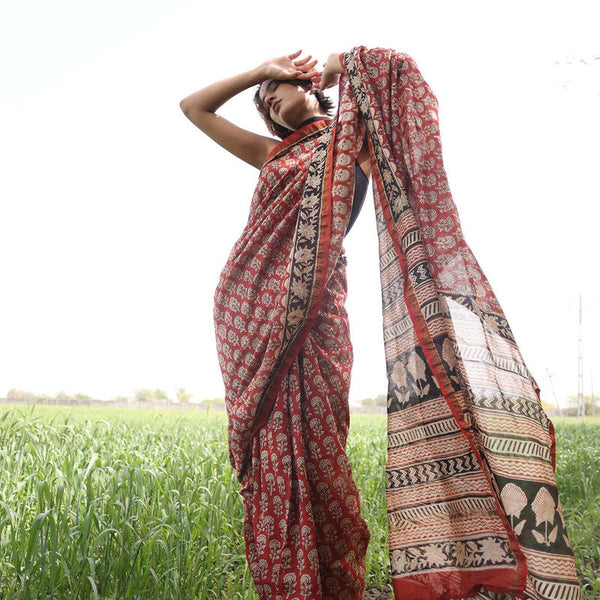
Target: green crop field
[[142, 504]]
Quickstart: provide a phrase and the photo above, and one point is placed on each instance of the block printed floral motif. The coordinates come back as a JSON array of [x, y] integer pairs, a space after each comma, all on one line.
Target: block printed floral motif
[[544, 509], [514, 500]]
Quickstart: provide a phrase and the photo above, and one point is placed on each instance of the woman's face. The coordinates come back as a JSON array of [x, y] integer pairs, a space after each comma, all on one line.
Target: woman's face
[[287, 102]]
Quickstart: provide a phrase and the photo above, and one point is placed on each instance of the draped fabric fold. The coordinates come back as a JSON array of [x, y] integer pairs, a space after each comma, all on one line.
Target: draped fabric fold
[[472, 502]]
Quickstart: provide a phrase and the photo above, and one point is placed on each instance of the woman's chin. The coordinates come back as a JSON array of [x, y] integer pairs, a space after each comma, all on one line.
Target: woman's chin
[[290, 119], [287, 123]]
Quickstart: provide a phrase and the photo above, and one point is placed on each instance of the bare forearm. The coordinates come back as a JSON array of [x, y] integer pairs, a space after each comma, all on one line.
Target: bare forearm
[[210, 98], [332, 69], [200, 106]]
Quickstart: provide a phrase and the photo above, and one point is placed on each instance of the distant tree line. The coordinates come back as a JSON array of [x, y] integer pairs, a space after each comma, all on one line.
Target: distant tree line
[[148, 398], [590, 407], [141, 398], [379, 402]]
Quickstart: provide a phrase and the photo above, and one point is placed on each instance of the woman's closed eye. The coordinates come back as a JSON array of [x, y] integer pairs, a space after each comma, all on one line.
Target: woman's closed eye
[[270, 89]]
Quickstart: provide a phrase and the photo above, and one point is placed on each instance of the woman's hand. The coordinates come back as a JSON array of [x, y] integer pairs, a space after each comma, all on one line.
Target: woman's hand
[[332, 69], [289, 67]]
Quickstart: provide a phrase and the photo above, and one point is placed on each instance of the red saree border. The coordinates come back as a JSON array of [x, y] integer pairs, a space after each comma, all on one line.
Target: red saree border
[[323, 256], [496, 581]]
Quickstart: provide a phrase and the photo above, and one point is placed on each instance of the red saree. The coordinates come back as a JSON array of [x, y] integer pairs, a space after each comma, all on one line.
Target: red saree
[[472, 502], [285, 353]]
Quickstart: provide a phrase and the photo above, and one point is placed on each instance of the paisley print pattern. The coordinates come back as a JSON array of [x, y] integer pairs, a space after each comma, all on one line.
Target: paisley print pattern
[[472, 501]]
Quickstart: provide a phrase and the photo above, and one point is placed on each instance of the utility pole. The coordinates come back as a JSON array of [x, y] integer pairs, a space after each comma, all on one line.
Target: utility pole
[[580, 398], [554, 393], [593, 397]]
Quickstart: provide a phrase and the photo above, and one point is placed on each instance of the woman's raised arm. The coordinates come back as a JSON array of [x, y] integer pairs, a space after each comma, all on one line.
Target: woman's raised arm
[[200, 106], [330, 76], [332, 69]]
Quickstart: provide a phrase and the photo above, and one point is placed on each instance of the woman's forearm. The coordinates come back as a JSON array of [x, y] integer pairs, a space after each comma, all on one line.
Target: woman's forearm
[[200, 106], [332, 69], [210, 98]]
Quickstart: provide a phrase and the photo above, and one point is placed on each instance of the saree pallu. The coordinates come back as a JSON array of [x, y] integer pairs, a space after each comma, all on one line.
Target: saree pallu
[[472, 502]]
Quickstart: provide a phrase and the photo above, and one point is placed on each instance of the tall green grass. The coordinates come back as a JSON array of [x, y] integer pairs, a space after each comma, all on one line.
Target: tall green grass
[[118, 508], [104, 503], [578, 478]]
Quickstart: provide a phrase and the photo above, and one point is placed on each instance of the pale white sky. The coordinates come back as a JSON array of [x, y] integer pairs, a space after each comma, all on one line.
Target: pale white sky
[[117, 214]]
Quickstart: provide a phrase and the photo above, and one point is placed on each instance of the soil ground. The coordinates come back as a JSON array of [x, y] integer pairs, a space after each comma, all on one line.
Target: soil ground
[[379, 593]]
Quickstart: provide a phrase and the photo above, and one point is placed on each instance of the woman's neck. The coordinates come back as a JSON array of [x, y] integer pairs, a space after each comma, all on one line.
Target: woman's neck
[[307, 121], [312, 119]]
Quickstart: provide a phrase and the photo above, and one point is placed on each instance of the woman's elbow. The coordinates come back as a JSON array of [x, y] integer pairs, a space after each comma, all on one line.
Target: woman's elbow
[[186, 106], [193, 110]]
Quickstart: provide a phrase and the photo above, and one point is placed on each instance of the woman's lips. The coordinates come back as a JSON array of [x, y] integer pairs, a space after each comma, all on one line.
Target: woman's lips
[[276, 106]]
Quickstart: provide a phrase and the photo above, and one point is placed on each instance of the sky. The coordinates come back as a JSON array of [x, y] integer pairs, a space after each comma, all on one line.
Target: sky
[[118, 215]]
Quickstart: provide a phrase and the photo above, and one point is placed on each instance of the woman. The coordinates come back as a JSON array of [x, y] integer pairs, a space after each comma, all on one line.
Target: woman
[[295, 543], [473, 510]]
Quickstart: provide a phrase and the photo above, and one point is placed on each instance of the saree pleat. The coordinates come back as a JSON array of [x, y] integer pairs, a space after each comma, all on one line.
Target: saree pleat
[[472, 502], [305, 537]]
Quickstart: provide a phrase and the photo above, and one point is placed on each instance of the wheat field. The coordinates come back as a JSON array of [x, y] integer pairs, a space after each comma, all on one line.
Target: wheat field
[[137, 504]]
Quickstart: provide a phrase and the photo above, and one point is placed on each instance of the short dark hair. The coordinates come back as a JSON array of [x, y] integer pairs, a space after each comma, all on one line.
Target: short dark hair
[[280, 131]]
